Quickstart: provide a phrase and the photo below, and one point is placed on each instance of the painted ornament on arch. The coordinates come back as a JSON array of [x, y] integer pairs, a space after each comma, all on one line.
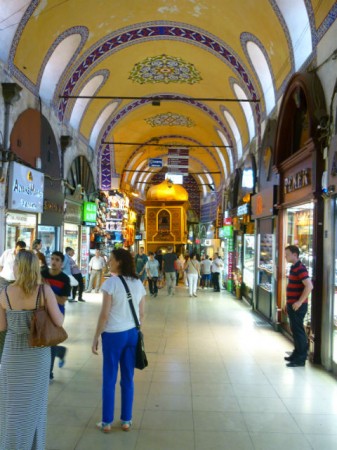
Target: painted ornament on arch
[[164, 69], [170, 119]]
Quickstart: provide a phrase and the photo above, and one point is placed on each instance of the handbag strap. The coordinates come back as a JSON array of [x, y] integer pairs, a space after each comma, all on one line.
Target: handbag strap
[[37, 303], [129, 296]]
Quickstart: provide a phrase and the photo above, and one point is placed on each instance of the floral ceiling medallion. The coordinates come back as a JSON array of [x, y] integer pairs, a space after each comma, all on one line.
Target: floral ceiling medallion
[[170, 119], [164, 69]]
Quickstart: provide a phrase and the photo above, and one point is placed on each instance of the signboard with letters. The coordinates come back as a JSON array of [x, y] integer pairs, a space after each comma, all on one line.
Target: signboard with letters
[[155, 162], [25, 189]]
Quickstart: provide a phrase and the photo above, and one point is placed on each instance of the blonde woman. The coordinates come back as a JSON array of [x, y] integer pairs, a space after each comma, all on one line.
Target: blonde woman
[[24, 372]]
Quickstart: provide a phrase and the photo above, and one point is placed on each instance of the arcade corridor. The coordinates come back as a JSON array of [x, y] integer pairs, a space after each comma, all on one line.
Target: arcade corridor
[[216, 380]]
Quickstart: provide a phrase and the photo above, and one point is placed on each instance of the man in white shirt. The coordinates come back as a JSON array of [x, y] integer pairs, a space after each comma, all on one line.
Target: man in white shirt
[[7, 264], [96, 266], [216, 269], [205, 270]]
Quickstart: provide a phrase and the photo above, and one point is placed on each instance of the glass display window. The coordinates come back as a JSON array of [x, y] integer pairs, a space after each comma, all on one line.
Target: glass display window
[[50, 238], [20, 226], [248, 260], [299, 232], [266, 261], [71, 238], [334, 321]]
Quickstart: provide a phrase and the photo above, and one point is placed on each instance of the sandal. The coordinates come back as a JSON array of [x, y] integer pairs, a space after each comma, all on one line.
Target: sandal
[[126, 425], [103, 426]]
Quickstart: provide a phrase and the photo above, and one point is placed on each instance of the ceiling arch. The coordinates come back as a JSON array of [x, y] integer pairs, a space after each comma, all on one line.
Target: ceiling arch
[[193, 55]]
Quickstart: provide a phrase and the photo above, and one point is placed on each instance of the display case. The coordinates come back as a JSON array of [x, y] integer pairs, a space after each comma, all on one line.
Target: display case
[[248, 260], [266, 256]]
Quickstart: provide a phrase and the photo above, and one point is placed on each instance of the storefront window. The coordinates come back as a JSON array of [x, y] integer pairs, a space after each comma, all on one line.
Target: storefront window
[[334, 325], [71, 238], [20, 226], [299, 232], [50, 240], [248, 260]]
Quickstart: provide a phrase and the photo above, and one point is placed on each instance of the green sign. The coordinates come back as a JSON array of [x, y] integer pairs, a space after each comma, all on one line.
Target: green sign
[[89, 212], [228, 231]]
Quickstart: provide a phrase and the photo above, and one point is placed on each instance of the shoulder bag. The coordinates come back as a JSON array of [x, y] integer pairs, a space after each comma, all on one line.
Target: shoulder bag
[[43, 331], [141, 359]]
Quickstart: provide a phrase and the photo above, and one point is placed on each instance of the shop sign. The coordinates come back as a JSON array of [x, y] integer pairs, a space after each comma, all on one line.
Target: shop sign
[[155, 162], [228, 231], [299, 180], [25, 192], [89, 213], [20, 219], [72, 212], [263, 203], [138, 237]]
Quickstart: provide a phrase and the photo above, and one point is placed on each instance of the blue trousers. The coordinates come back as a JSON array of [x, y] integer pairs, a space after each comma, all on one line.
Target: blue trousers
[[296, 319], [118, 348]]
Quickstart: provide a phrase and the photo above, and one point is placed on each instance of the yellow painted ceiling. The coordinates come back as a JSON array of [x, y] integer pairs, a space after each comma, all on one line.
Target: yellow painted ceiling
[[209, 35]]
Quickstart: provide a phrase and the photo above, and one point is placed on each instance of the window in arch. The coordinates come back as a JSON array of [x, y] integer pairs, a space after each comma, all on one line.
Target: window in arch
[[56, 65], [81, 103], [223, 162], [247, 110], [103, 117], [296, 17], [235, 131], [262, 70], [228, 150]]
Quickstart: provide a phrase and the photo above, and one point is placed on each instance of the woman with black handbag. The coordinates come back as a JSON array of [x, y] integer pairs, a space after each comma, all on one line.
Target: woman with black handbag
[[119, 333], [24, 373]]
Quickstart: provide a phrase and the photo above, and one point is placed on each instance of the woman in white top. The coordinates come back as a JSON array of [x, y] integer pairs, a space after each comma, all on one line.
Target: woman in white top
[[119, 335], [192, 268]]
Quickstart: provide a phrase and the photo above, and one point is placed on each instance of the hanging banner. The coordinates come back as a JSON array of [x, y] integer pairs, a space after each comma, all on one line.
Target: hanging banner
[[178, 160]]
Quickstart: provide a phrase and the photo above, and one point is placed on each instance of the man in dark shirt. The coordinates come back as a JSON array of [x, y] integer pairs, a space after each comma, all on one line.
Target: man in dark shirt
[[60, 284], [169, 269], [298, 289]]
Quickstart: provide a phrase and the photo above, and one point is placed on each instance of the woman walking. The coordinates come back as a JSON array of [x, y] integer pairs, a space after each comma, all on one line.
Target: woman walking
[[192, 268], [24, 372], [119, 335]]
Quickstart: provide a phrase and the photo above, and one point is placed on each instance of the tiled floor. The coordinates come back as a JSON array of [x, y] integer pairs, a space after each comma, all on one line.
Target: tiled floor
[[216, 380]]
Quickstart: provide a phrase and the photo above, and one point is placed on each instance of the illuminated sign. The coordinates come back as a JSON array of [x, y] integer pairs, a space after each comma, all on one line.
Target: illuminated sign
[[89, 212], [26, 186]]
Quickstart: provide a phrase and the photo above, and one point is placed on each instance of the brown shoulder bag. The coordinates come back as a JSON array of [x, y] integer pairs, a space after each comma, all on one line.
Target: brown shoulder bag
[[43, 331]]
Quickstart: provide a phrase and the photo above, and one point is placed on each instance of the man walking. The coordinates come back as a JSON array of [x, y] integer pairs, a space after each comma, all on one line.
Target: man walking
[[96, 266], [216, 269], [7, 264], [60, 284], [169, 270], [298, 289]]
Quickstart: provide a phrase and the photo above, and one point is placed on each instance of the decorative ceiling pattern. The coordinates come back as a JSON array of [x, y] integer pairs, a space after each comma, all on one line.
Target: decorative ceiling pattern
[[218, 67], [164, 69], [170, 119]]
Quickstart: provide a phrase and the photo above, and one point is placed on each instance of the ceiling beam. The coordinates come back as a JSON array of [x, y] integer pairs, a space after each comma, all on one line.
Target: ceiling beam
[[160, 98], [165, 145]]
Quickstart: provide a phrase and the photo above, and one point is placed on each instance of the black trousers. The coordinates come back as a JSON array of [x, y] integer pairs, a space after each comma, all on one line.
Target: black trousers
[[296, 319], [80, 286], [58, 351], [153, 285], [215, 281]]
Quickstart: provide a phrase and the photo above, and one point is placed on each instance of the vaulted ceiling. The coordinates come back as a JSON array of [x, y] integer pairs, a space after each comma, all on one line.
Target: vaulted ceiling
[[197, 56]]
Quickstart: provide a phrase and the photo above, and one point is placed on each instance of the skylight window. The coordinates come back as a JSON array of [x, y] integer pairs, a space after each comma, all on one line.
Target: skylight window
[[296, 17], [235, 131], [262, 70], [247, 110], [81, 103], [56, 65], [228, 150], [103, 117]]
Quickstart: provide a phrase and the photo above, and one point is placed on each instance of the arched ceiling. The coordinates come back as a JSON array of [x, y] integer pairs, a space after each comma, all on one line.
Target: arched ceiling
[[193, 54]]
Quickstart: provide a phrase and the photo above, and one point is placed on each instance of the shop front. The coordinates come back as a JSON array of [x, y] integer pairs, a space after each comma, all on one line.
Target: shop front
[[76, 231], [265, 224], [49, 228], [24, 203], [299, 164]]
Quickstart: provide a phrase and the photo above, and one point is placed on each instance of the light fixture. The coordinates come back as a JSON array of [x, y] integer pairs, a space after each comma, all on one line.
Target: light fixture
[[134, 194], [155, 102]]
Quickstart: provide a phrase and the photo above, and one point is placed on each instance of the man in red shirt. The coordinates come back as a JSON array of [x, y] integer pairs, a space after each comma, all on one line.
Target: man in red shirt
[[298, 289]]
